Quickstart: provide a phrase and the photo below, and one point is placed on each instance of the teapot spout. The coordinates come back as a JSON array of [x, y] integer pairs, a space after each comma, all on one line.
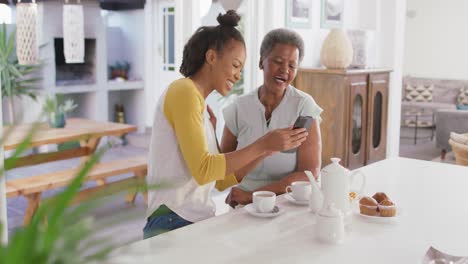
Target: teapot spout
[[316, 196]]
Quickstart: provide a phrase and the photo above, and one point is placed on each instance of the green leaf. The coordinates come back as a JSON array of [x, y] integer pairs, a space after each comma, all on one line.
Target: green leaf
[[15, 71], [3, 33], [11, 44]]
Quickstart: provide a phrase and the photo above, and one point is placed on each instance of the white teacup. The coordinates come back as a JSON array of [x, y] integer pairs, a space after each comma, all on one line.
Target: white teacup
[[300, 190], [264, 201]]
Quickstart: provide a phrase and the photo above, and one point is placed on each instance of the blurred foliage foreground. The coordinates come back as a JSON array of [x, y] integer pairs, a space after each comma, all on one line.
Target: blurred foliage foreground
[[57, 234]]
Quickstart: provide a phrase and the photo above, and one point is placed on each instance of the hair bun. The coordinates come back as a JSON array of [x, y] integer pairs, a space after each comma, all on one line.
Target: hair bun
[[230, 19]]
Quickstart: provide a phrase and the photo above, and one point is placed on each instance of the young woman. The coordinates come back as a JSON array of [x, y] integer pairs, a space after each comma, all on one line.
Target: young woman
[[184, 155], [274, 104]]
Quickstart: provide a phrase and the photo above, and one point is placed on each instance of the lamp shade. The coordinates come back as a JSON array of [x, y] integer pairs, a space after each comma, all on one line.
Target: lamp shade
[[73, 33], [26, 33]]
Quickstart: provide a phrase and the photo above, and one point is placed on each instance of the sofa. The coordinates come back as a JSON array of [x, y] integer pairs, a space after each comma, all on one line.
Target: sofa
[[437, 106], [444, 94]]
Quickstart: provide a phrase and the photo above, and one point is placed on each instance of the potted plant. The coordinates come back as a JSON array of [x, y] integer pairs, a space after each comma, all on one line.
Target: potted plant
[[56, 110], [16, 80], [119, 70]]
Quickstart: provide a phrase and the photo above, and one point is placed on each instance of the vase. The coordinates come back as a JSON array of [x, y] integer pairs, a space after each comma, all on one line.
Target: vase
[[360, 42], [57, 120], [337, 51]]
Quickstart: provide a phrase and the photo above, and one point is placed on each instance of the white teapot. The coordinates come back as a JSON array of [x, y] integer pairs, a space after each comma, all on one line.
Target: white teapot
[[330, 224], [335, 187]]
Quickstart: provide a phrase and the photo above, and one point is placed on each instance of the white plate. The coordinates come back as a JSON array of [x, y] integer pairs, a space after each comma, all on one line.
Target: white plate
[[251, 210], [294, 201], [379, 219]]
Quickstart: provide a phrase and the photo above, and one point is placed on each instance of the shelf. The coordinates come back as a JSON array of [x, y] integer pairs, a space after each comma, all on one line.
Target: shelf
[[127, 85], [76, 89]]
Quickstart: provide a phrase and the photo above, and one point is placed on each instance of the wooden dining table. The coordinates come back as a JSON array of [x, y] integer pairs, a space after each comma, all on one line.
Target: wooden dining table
[[87, 132], [432, 211]]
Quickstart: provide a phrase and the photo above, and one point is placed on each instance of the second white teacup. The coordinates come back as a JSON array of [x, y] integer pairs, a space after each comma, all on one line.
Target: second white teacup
[[264, 201], [300, 190]]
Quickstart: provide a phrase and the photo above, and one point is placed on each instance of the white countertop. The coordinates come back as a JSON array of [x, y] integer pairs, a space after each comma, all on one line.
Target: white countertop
[[432, 198]]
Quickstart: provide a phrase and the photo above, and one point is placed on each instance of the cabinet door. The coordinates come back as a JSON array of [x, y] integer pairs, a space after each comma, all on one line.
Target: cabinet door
[[377, 113], [357, 118]]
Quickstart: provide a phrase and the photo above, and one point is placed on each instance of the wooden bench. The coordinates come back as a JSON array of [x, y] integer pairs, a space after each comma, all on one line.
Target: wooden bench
[[33, 187]]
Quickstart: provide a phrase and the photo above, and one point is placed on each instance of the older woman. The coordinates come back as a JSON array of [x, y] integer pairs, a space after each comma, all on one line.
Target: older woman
[[275, 104]]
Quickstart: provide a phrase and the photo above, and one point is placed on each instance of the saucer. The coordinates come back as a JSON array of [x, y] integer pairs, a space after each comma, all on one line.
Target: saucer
[[294, 201], [380, 219], [251, 210]]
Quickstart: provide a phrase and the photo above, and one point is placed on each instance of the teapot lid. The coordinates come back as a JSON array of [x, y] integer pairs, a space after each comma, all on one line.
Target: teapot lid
[[334, 167], [330, 211]]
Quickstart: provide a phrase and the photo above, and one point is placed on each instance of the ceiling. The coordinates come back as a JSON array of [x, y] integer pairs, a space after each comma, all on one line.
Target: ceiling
[[104, 4]]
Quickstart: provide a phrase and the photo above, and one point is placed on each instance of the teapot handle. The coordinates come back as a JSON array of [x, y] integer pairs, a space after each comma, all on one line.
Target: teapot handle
[[363, 182]]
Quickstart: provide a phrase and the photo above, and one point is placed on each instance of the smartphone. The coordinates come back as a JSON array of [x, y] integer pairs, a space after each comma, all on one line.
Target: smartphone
[[301, 122]]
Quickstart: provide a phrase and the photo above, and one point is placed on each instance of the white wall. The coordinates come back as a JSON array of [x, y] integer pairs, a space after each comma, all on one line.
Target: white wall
[[391, 42], [132, 40], [436, 39], [359, 14]]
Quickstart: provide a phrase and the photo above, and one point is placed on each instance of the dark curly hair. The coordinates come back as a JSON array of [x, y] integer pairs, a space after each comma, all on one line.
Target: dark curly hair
[[209, 38]]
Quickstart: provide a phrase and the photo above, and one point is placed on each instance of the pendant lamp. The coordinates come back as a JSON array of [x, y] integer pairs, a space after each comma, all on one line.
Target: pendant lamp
[[26, 33]]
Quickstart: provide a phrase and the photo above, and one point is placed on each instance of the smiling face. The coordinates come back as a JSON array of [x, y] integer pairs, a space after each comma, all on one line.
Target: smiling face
[[280, 66], [227, 66]]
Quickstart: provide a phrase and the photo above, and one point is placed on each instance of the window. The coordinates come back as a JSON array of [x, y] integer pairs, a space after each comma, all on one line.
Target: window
[[168, 39]]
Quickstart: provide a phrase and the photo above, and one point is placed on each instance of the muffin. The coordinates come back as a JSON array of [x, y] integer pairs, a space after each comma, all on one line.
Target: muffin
[[387, 208], [380, 196], [368, 206]]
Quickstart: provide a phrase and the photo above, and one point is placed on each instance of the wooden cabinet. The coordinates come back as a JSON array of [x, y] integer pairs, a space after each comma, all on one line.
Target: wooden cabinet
[[354, 120]]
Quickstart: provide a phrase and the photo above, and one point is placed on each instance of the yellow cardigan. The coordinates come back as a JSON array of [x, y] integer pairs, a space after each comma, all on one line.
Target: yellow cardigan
[[183, 108]]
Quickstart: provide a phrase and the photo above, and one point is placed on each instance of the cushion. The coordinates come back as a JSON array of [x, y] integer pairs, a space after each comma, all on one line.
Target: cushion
[[419, 93], [462, 107], [463, 96], [459, 138]]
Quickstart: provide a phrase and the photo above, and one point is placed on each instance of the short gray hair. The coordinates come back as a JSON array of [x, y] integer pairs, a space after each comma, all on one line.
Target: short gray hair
[[281, 36]]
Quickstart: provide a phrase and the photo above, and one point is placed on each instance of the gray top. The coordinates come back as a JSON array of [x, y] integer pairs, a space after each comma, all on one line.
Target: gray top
[[245, 118]]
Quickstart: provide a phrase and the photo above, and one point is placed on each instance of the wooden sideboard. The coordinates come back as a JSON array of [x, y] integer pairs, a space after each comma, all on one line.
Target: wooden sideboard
[[355, 103]]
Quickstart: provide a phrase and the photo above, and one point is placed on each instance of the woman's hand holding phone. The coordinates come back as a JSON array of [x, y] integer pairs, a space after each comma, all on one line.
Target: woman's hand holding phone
[[301, 122], [283, 139]]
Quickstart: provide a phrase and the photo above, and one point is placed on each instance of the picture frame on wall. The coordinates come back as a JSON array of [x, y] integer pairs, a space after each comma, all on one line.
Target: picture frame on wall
[[332, 12], [298, 13]]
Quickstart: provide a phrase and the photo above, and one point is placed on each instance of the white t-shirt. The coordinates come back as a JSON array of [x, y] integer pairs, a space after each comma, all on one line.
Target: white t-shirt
[[179, 191], [245, 118]]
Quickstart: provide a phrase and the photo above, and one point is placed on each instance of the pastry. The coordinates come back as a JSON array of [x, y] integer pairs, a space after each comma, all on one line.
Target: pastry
[[368, 206], [387, 208], [380, 196]]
